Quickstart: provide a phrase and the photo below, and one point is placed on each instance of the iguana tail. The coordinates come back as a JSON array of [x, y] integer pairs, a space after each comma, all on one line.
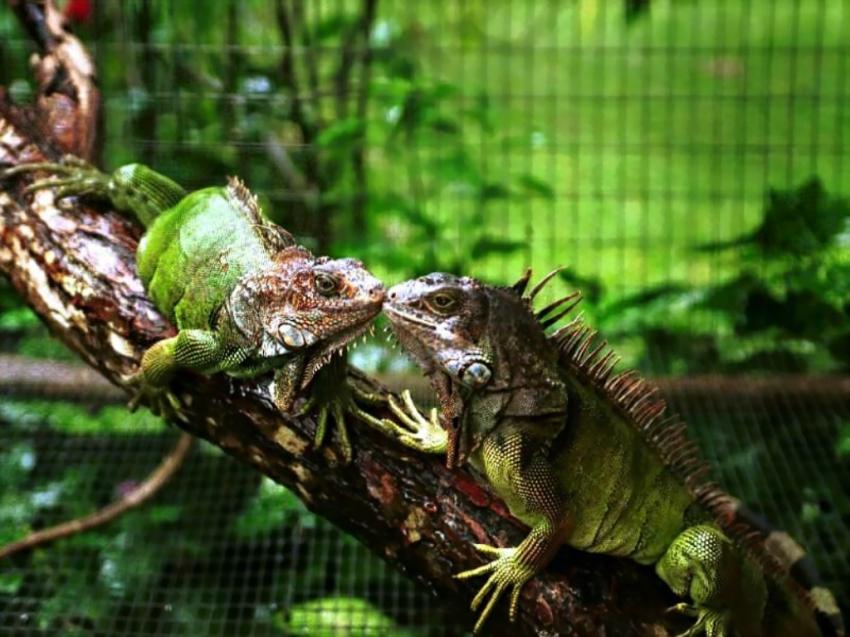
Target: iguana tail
[[792, 560], [143, 191]]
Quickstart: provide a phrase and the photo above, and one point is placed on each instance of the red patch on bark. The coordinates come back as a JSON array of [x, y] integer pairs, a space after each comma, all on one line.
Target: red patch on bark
[[499, 507], [479, 496], [475, 527], [543, 612], [472, 490], [380, 483]]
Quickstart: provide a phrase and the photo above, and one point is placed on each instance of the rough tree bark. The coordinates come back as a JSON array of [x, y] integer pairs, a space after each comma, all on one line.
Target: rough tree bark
[[74, 265]]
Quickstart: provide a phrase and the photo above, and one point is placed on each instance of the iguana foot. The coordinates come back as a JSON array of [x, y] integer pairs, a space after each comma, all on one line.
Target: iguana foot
[[415, 431], [160, 400], [346, 402], [507, 572], [336, 409], [72, 177], [709, 622]]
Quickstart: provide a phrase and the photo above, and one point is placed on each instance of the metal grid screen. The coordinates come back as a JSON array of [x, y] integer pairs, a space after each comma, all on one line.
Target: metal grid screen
[[612, 136]]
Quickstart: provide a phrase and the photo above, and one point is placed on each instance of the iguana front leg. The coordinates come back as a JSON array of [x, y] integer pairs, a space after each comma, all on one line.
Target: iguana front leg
[[197, 350], [331, 394], [526, 480], [535, 489]]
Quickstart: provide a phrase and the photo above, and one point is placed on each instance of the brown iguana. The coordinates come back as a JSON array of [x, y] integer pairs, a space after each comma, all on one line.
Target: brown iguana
[[246, 299], [587, 457]]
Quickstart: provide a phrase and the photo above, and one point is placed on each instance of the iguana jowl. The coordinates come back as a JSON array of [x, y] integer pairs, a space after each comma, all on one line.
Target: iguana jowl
[[245, 298], [586, 457]]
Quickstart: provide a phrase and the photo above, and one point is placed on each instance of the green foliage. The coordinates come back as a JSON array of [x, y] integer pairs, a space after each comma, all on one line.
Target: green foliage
[[842, 446], [786, 308], [339, 617], [72, 418], [269, 509]]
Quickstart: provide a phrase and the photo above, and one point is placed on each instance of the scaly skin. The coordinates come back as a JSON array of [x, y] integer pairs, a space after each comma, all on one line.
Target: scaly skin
[[578, 454], [245, 298]]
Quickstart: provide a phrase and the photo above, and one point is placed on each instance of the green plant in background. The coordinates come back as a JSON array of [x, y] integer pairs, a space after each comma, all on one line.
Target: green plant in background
[[786, 308]]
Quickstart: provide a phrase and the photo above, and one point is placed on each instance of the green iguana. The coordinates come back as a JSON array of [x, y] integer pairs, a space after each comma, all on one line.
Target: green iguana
[[586, 457], [244, 297]]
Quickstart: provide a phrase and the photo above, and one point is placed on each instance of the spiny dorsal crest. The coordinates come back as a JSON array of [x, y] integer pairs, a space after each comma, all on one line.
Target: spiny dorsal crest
[[274, 237], [545, 317], [643, 407]]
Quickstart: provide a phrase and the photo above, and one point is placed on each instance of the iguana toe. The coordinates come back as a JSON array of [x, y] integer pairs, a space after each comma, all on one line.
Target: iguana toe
[[71, 176], [334, 410], [507, 572], [709, 622], [160, 400]]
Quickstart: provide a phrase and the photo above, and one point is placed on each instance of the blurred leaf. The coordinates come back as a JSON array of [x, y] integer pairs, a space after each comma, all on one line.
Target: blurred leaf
[[483, 113], [842, 446], [39, 343], [342, 133], [78, 419], [591, 288], [339, 617], [493, 191], [162, 513], [536, 187], [332, 26], [664, 294], [800, 221], [455, 166], [635, 9], [268, 510], [18, 319], [442, 124], [487, 245], [405, 207], [10, 583]]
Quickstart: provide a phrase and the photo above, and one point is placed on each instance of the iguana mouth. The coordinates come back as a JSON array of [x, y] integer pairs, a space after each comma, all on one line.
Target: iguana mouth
[[337, 344], [394, 313]]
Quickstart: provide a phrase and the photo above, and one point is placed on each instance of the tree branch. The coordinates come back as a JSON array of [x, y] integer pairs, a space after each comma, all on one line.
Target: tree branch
[[22, 377], [74, 265], [133, 498]]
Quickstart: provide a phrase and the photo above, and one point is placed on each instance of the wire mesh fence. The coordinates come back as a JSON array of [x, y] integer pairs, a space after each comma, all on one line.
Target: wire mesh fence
[[615, 137]]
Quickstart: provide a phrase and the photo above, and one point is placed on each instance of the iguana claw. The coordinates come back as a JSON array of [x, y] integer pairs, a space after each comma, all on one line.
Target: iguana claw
[[78, 177], [160, 400], [507, 572], [336, 408], [709, 622]]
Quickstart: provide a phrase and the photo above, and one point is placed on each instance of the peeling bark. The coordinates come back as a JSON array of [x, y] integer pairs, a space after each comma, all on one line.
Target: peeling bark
[[74, 264]]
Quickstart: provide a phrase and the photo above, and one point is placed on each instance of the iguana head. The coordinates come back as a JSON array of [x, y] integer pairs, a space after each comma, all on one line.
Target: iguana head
[[483, 349], [306, 305], [440, 320]]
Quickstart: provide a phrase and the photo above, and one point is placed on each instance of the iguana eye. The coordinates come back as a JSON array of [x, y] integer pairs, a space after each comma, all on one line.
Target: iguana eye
[[442, 302], [326, 285]]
